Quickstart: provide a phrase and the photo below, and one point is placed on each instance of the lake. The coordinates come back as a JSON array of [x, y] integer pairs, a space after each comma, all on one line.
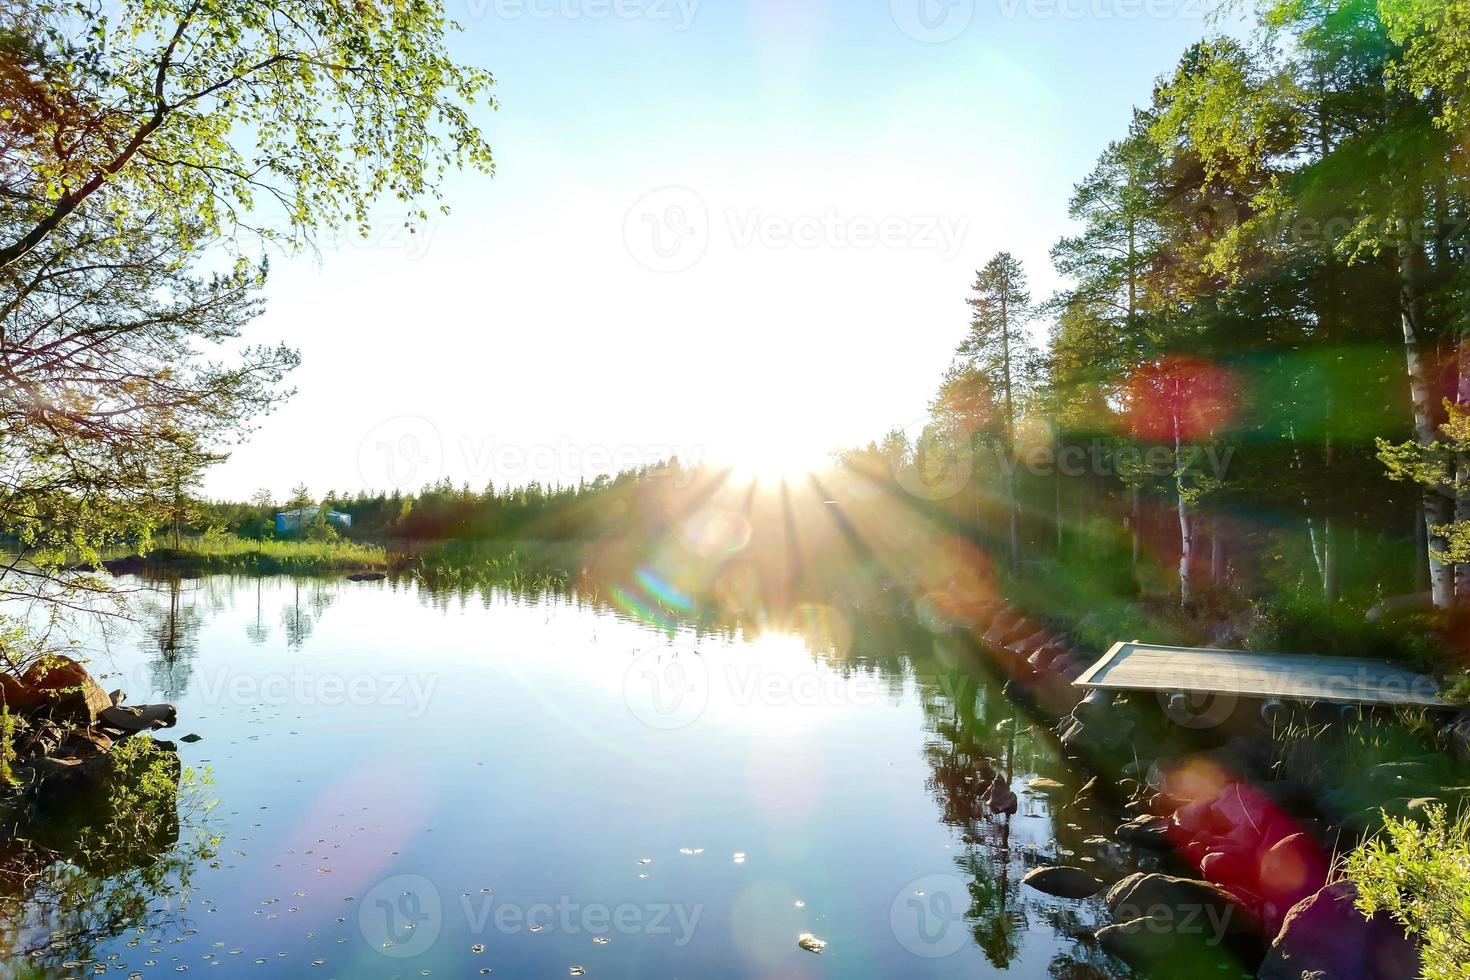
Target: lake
[[413, 784]]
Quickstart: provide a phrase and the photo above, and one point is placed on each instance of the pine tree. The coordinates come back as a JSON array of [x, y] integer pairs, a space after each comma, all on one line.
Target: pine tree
[[999, 350]]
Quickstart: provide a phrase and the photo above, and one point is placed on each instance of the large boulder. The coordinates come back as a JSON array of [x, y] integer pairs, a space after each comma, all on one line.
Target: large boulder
[[1063, 881], [139, 718], [1325, 937], [1457, 734], [1174, 926], [1184, 906], [17, 694], [67, 689], [1293, 869]]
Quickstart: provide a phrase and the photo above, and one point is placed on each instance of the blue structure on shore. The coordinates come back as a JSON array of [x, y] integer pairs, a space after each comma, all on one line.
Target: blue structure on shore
[[294, 520]]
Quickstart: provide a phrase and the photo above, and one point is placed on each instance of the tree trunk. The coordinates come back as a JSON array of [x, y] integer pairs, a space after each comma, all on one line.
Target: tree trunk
[[1330, 559], [1217, 555], [1462, 467], [1186, 525], [1005, 347], [1057, 477], [1437, 507], [1136, 519]]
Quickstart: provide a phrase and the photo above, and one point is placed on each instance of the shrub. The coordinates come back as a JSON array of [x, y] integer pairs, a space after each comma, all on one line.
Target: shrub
[[1420, 874]]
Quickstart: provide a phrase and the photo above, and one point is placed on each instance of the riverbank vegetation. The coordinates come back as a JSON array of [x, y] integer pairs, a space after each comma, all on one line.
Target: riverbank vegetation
[[215, 552], [1420, 874]]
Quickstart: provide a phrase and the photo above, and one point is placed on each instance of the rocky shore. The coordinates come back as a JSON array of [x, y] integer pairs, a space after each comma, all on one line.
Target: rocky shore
[[65, 724], [1252, 846]]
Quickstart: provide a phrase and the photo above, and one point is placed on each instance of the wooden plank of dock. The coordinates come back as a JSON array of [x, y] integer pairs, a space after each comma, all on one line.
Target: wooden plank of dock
[[1287, 676]]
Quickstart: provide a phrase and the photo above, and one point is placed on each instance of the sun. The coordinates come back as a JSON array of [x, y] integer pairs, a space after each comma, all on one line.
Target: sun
[[774, 466]]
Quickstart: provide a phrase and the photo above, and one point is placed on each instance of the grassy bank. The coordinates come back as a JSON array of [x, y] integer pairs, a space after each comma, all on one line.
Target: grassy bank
[[228, 553]]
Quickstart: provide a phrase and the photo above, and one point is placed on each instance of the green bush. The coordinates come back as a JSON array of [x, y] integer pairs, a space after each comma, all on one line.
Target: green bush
[[1292, 623], [1420, 874]]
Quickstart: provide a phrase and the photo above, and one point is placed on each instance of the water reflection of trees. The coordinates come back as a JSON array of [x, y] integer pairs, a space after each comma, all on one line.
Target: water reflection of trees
[[171, 620], [81, 869], [976, 735], [310, 598]]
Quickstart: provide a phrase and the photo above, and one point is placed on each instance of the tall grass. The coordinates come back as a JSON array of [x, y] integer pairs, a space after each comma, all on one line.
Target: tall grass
[[520, 567], [226, 552]]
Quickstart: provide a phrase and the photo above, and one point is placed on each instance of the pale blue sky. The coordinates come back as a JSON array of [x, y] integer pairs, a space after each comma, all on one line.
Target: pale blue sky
[[837, 178]]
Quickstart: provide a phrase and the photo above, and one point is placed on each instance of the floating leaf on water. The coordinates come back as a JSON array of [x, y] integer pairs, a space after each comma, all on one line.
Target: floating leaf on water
[[811, 943], [601, 940], [800, 904], [477, 948], [578, 971]]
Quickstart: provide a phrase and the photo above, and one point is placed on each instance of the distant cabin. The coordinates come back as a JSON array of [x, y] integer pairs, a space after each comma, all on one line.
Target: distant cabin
[[295, 520]]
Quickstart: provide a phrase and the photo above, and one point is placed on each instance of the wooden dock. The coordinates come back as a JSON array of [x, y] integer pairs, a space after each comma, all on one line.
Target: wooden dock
[[1271, 676]]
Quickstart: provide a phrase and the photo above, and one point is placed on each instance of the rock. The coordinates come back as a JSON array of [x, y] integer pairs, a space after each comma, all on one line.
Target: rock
[[1054, 694], [1086, 791], [1293, 869], [999, 797], [1231, 868], [1187, 905], [1048, 658], [84, 744], [1006, 631], [1029, 644], [1231, 634], [366, 577], [1044, 785], [1139, 941], [191, 737], [1096, 706], [70, 774], [1400, 603], [117, 697], [1325, 937], [1146, 831], [139, 718], [811, 943], [1457, 734], [67, 689], [18, 694], [1063, 881], [1165, 804], [1246, 811]]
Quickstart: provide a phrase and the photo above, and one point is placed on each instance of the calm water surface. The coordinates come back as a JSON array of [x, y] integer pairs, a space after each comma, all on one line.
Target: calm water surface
[[416, 785]]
